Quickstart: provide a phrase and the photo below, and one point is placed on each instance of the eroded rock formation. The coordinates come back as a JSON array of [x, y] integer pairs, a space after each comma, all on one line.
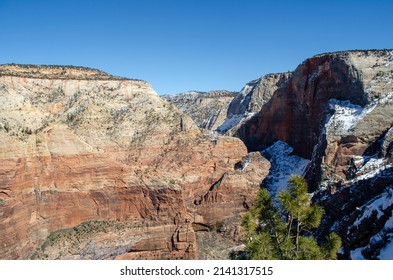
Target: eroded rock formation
[[80, 148], [299, 109], [250, 100], [336, 111], [207, 109]]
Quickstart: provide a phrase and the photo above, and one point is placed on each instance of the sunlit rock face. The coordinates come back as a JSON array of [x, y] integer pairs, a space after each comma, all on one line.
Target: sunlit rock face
[[336, 112], [249, 101], [96, 166], [207, 109]]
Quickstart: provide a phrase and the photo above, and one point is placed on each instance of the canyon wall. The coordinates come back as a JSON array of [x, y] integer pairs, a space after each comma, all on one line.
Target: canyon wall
[[335, 111], [249, 101], [88, 156]]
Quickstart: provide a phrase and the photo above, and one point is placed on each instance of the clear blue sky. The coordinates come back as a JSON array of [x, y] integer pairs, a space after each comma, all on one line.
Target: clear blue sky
[[189, 45]]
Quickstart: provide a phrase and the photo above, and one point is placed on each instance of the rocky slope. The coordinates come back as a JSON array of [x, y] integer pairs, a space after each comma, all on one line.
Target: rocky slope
[[335, 112], [207, 109], [95, 166]]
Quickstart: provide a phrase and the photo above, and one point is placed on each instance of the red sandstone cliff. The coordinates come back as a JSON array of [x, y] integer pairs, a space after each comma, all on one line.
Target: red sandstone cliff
[[336, 111], [300, 109]]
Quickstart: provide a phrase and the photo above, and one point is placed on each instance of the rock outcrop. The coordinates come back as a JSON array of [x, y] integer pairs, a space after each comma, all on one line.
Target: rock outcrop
[[299, 109], [207, 109], [95, 166], [336, 112], [250, 100]]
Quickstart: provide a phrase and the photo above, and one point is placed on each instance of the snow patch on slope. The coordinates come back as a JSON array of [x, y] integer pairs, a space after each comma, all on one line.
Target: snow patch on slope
[[371, 168], [346, 115], [248, 88], [387, 252], [283, 166], [345, 118], [238, 112], [357, 254], [229, 123], [378, 205], [381, 241]]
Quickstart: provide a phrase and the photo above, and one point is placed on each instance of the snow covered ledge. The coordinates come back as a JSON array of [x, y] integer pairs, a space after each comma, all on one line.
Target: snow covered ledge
[[283, 166]]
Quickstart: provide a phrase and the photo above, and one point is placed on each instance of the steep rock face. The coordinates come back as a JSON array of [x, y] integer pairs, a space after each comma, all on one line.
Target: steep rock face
[[207, 109], [297, 109], [250, 100], [88, 149], [336, 112], [300, 108]]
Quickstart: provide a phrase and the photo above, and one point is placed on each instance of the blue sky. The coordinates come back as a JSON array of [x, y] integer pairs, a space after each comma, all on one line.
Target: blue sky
[[189, 45]]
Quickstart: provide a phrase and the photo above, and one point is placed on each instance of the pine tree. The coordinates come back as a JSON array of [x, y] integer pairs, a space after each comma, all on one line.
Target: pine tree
[[282, 230]]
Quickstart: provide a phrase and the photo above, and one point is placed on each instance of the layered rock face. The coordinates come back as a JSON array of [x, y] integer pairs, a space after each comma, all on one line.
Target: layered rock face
[[296, 111], [207, 109], [250, 100], [299, 110], [336, 112], [95, 166]]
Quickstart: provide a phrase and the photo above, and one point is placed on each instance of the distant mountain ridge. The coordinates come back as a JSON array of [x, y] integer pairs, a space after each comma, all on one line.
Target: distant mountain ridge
[[207, 109]]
